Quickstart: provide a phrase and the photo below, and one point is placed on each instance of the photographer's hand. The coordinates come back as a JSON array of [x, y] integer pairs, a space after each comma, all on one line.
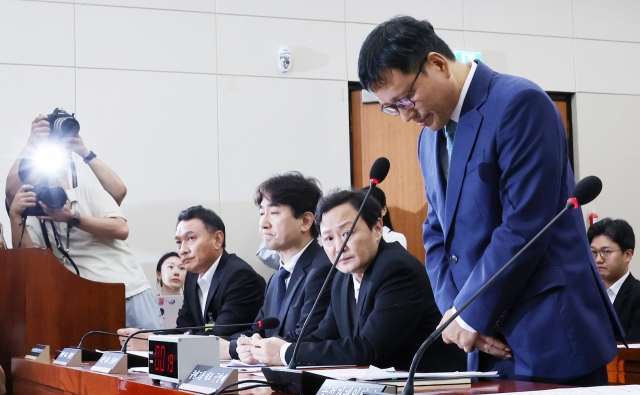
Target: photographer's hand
[[76, 144], [62, 215], [24, 199], [40, 130]]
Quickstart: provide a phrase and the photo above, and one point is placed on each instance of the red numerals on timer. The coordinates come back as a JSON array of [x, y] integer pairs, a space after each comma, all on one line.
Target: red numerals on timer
[[162, 361]]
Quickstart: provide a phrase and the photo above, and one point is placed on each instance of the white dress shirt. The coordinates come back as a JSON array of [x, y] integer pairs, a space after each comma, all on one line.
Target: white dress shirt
[[204, 283]]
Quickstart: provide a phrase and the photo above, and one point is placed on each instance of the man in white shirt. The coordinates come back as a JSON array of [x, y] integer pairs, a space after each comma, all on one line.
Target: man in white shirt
[[612, 244]]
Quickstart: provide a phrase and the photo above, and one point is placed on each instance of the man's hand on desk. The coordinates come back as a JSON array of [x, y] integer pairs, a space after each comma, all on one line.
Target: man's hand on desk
[[224, 349], [267, 350], [245, 344], [134, 344], [468, 341]]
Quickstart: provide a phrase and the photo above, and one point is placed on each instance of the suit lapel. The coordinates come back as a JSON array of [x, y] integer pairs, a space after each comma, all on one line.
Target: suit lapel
[[297, 278], [215, 282], [193, 295], [622, 293], [362, 299], [343, 318], [466, 134]]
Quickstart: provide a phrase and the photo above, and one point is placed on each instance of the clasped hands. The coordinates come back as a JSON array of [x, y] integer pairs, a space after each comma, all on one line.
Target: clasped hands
[[468, 341], [255, 349]]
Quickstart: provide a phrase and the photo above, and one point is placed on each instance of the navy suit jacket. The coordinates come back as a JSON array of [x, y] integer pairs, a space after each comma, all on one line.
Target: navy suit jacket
[[395, 314], [235, 296], [627, 306], [304, 286], [509, 176]]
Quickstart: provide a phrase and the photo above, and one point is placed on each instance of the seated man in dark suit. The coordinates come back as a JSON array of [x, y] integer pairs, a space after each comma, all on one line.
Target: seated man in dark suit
[[220, 287], [287, 204], [382, 307], [612, 243]]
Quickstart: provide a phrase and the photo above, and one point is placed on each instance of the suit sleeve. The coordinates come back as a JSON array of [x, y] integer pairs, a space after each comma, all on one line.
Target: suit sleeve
[[436, 260], [312, 286], [532, 157], [241, 301], [633, 331], [233, 339], [328, 329], [392, 321]]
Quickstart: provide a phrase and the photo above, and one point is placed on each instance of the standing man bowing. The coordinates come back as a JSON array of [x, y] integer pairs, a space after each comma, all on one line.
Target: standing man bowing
[[287, 204], [493, 154]]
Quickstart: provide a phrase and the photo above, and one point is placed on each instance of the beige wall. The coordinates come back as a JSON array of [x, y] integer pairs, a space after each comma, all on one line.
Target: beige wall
[[184, 100]]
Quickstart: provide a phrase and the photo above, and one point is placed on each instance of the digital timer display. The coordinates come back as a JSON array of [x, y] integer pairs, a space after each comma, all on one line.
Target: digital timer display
[[163, 359]]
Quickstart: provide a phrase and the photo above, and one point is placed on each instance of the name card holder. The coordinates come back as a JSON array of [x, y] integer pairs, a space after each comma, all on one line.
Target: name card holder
[[111, 362], [332, 387], [207, 379], [71, 357], [39, 353]]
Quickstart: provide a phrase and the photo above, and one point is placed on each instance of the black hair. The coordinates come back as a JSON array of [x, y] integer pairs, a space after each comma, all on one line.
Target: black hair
[[379, 195], [161, 261], [618, 230], [401, 43], [294, 190], [209, 218], [371, 212]]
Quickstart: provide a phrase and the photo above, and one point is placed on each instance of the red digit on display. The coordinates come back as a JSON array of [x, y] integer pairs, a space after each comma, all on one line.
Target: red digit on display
[[170, 363]]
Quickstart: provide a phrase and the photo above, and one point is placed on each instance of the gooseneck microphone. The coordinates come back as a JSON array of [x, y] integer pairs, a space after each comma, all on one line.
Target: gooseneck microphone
[[291, 380], [584, 192], [265, 323], [377, 174]]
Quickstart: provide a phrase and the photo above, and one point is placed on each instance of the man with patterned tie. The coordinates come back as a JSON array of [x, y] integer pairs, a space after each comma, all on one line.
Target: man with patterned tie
[[287, 204]]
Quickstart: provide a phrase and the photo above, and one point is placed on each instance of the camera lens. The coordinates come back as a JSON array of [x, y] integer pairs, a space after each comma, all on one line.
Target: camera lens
[[54, 198], [67, 126]]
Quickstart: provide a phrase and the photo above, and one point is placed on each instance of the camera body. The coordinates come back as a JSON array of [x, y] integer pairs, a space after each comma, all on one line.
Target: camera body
[[63, 124], [52, 197]]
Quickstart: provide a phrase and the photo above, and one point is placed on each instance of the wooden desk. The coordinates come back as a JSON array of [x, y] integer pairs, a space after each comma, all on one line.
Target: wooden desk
[[625, 368], [35, 378]]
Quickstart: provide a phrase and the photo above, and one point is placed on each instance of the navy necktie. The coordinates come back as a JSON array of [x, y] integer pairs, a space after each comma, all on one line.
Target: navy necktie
[[283, 274]]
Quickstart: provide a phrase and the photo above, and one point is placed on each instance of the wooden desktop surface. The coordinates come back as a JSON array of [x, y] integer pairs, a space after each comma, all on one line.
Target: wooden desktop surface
[[35, 378]]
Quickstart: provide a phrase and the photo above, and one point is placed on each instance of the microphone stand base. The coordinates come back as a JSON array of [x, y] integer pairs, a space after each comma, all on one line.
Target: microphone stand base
[[293, 381]]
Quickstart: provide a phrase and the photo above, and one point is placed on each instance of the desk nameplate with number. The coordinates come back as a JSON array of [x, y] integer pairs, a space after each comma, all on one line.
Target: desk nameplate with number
[[39, 353], [207, 379]]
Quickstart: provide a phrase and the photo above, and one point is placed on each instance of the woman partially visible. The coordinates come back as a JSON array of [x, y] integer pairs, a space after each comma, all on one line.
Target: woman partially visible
[[388, 234], [170, 273]]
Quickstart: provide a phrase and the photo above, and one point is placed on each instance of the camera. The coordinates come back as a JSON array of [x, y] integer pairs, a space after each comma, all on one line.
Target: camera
[[53, 197], [63, 124]]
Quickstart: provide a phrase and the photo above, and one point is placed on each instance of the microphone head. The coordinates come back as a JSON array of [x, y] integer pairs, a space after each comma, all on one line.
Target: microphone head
[[586, 190], [379, 170], [266, 323]]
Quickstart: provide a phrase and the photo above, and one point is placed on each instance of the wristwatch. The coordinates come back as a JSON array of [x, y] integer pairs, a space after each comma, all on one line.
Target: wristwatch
[[74, 220]]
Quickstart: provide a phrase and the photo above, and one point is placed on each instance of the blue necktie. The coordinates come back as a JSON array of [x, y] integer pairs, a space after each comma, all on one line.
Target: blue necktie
[[283, 274], [450, 131]]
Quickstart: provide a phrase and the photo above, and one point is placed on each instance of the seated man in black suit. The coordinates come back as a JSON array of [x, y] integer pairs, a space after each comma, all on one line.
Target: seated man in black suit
[[612, 244], [382, 307], [287, 204], [220, 287]]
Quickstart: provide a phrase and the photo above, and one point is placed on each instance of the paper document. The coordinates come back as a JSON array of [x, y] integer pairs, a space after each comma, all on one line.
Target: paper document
[[604, 390], [374, 373]]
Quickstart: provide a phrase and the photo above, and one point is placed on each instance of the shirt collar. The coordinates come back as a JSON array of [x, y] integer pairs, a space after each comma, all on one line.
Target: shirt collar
[[291, 264], [208, 276], [615, 288], [465, 88]]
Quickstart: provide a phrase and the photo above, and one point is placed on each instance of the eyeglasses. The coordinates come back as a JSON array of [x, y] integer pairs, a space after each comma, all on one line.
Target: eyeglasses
[[403, 103], [606, 254]]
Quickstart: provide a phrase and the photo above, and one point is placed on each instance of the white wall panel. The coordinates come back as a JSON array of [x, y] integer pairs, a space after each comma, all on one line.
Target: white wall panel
[[540, 17], [158, 132], [595, 70], [249, 46], [443, 14], [36, 33], [325, 10], [608, 148], [178, 5], [140, 39], [270, 126], [601, 20], [547, 61]]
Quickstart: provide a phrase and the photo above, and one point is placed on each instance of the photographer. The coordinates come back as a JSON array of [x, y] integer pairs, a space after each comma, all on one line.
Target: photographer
[[86, 233], [40, 132]]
